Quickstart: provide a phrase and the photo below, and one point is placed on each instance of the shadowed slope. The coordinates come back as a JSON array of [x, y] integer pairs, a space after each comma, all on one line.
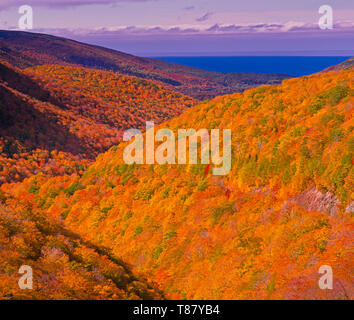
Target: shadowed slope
[[64, 266]]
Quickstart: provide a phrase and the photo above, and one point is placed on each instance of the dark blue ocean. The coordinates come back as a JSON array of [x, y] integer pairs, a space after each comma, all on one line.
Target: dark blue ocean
[[294, 66]]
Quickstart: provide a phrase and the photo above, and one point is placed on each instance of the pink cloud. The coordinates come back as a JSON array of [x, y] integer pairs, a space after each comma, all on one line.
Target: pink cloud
[[267, 28], [62, 3]]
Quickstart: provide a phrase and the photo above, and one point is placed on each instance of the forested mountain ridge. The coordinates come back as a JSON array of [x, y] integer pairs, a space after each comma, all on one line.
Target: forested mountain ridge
[[260, 232], [346, 65], [25, 49], [57, 118]]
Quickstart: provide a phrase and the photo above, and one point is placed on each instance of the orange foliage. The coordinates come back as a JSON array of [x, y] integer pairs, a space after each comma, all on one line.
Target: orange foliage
[[261, 232], [57, 119]]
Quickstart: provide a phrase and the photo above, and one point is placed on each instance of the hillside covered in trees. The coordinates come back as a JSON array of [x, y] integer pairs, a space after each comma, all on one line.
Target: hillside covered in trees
[[346, 65], [25, 49], [64, 265], [58, 118], [260, 232]]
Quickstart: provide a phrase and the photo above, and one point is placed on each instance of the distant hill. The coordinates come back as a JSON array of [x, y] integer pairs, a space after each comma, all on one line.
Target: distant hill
[[260, 232], [346, 65], [55, 118], [25, 49]]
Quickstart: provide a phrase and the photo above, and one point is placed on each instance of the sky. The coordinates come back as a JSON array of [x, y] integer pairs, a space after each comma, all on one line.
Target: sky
[[194, 27]]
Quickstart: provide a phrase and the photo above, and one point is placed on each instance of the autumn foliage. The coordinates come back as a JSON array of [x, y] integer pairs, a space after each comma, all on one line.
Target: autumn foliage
[[261, 232], [57, 119], [65, 266], [26, 49]]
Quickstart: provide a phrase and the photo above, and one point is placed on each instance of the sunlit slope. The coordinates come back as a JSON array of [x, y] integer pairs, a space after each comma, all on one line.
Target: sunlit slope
[[121, 102], [263, 230]]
